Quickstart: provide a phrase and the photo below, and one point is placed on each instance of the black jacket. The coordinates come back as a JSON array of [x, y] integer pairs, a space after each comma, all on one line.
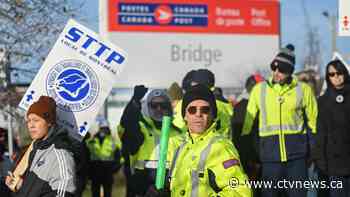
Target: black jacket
[[332, 143], [247, 145], [51, 168]]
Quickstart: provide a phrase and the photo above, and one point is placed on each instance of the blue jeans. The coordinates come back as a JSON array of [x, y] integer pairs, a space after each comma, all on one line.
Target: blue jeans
[[276, 172]]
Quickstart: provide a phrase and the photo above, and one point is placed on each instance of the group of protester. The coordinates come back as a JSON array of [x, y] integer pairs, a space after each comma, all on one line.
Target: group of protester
[[277, 129]]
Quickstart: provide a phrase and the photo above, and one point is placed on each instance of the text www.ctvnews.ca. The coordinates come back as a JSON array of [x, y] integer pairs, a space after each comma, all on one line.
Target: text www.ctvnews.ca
[[287, 184]]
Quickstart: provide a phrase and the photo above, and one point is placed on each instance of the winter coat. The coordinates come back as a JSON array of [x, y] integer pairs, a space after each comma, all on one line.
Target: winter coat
[[51, 167], [247, 145], [331, 151], [332, 148]]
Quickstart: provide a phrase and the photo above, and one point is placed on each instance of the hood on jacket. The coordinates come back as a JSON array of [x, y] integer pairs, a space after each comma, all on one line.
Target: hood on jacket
[[340, 67], [146, 106]]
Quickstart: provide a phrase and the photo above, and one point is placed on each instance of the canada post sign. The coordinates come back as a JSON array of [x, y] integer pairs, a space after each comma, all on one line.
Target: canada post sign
[[231, 38], [163, 14], [205, 16], [77, 73]]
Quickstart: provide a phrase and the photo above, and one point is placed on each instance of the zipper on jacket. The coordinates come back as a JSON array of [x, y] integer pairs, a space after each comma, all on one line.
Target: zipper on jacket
[[281, 136]]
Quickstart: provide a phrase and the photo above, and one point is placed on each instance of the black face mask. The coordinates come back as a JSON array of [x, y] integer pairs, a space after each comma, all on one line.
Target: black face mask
[[101, 134]]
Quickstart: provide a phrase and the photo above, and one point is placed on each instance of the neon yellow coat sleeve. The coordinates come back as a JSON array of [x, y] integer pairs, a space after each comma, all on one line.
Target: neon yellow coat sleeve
[[310, 106], [224, 176]]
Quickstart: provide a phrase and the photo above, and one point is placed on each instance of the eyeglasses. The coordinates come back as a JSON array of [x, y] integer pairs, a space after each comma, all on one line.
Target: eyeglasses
[[281, 68], [203, 110], [332, 74], [155, 105]]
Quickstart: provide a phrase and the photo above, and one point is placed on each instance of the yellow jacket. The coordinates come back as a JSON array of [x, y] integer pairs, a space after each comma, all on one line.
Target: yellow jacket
[[148, 154], [282, 112], [104, 151], [204, 154]]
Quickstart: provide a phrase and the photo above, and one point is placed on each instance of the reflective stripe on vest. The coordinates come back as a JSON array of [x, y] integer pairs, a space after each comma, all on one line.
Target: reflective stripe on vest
[[270, 129], [201, 165], [151, 163], [263, 104], [157, 146], [176, 155]]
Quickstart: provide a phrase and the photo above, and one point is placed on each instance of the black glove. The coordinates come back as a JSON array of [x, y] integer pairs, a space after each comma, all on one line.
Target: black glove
[[139, 92], [212, 181], [153, 192]]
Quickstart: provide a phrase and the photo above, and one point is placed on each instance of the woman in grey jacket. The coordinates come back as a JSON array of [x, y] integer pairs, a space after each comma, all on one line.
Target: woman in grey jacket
[[47, 168]]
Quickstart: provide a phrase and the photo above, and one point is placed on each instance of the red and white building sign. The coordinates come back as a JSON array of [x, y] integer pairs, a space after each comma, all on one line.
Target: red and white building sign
[[167, 38]]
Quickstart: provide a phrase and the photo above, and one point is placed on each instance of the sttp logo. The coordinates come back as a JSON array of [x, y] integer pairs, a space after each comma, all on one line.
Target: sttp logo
[[73, 84]]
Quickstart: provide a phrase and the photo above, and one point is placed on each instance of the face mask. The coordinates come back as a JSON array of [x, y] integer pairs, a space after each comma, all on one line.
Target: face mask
[[101, 134]]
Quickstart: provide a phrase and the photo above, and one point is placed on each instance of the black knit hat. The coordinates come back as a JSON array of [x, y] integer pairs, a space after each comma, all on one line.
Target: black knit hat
[[187, 80], [204, 77], [285, 59], [199, 92]]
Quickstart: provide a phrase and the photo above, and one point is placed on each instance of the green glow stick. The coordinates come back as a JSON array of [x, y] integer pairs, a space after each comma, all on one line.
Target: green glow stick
[[164, 139]]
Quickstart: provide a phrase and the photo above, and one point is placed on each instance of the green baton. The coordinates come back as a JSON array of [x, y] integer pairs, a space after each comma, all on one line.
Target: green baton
[[164, 139]]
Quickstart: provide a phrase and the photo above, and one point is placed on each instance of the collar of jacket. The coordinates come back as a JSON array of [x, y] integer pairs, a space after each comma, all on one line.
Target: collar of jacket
[[279, 88], [54, 133], [194, 138]]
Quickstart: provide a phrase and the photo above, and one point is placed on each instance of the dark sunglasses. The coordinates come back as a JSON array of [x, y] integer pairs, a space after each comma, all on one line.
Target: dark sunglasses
[[332, 74], [155, 105], [203, 110], [281, 68]]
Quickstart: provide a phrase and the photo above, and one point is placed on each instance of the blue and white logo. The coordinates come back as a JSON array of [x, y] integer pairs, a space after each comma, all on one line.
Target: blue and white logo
[[73, 84]]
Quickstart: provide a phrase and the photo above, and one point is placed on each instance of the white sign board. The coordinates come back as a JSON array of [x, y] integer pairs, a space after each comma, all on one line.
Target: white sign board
[[77, 73], [233, 39], [344, 18]]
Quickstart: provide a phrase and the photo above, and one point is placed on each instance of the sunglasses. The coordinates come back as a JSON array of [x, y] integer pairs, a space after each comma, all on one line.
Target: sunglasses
[[162, 105], [203, 110], [281, 68], [332, 74]]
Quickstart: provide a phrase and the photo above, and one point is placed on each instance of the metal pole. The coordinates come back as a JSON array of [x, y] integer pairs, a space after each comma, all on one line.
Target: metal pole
[[334, 33], [9, 132], [105, 109]]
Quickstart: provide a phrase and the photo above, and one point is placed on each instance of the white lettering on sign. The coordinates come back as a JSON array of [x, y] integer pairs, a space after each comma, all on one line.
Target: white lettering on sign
[[261, 22], [259, 18], [258, 12], [227, 12], [230, 22]]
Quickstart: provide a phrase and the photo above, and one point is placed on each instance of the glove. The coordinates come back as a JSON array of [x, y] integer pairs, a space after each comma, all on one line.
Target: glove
[[139, 92], [212, 181]]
